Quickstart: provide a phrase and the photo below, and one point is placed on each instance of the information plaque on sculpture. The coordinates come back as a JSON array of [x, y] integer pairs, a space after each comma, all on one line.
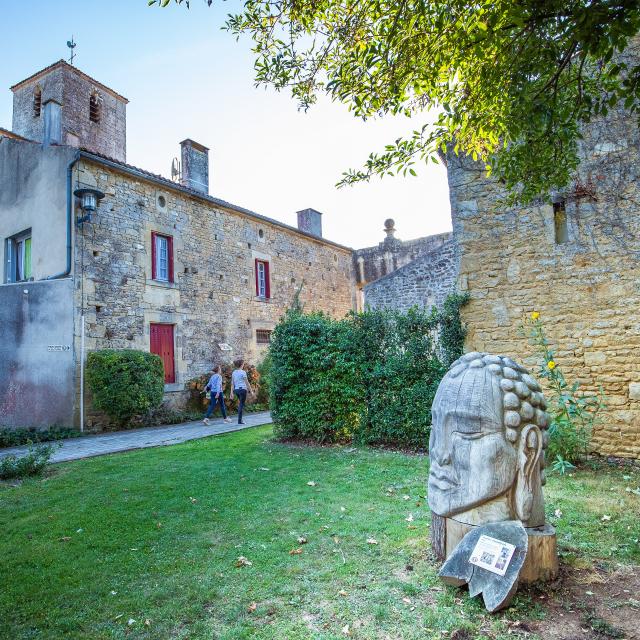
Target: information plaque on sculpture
[[492, 554]]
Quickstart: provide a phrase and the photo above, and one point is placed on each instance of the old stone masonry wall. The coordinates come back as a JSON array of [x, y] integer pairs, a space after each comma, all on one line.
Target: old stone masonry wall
[[425, 282], [212, 300], [576, 261]]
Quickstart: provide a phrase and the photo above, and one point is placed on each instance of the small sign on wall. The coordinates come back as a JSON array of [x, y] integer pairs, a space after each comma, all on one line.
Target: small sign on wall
[[224, 346], [59, 347]]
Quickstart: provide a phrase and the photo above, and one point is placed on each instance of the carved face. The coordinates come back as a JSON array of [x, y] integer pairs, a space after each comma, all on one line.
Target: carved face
[[472, 462]]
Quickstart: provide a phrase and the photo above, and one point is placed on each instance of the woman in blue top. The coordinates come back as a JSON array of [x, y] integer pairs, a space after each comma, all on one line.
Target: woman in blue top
[[214, 386], [240, 386]]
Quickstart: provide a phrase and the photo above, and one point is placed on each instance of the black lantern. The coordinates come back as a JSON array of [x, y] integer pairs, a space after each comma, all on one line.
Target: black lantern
[[89, 199]]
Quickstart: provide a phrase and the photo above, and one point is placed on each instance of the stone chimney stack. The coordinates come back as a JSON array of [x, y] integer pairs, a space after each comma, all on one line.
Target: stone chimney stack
[[52, 133], [195, 166], [310, 221]]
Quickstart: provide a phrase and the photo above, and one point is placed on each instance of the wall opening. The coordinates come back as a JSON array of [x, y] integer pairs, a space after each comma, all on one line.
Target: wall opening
[[94, 108], [37, 102], [560, 222]]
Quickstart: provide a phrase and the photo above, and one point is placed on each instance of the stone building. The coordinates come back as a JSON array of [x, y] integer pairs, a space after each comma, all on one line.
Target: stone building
[[160, 265], [399, 274]]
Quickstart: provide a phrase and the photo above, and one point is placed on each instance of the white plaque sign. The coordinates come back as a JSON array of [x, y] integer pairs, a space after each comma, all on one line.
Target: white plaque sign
[[224, 346], [492, 554]]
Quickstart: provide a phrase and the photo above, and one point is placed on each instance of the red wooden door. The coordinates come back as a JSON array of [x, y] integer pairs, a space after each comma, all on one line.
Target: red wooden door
[[162, 345]]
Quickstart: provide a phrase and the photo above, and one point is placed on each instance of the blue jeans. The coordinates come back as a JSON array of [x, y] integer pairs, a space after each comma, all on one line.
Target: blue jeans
[[242, 397], [212, 405]]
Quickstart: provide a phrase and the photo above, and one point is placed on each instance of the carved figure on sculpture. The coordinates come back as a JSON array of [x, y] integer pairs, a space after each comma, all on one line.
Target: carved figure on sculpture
[[487, 443]]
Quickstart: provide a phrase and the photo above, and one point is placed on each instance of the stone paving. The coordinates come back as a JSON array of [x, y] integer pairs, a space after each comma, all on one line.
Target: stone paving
[[101, 444]]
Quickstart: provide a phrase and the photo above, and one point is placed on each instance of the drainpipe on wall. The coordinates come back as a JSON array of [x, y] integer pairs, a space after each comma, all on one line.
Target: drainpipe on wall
[[67, 271]]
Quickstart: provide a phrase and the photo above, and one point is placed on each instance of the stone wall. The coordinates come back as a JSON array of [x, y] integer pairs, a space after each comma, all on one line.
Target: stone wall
[[72, 89], [587, 288], [373, 263], [213, 299], [424, 282]]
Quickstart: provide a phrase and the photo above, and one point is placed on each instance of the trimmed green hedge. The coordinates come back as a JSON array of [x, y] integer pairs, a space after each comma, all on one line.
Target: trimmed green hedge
[[370, 377], [125, 383]]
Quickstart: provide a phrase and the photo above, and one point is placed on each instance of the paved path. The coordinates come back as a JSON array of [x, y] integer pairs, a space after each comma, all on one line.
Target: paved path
[[98, 445]]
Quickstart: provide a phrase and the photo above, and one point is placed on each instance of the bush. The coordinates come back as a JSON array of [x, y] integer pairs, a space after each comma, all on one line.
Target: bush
[[33, 463], [14, 437], [573, 415], [370, 377], [126, 383]]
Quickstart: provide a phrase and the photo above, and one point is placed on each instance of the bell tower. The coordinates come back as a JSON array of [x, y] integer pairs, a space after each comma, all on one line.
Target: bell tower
[[62, 105]]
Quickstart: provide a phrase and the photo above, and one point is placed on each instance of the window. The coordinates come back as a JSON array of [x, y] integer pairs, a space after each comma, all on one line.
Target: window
[[263, 336], [18, 257], [560, 222], [37, 102], [161, 257], [263, 287], [94, 108], [161, 343]]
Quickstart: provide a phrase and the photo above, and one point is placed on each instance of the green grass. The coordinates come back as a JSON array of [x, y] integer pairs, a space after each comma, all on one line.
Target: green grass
[[154, 535]]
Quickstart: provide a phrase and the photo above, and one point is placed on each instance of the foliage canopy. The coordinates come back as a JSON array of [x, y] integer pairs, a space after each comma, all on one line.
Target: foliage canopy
[[511, 81]]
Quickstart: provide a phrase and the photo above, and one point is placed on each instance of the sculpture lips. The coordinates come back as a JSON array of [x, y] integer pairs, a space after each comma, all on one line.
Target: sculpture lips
[[441, 480]]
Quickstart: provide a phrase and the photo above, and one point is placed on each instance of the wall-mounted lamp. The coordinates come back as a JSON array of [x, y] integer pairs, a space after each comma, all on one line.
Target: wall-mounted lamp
[[89, 199]]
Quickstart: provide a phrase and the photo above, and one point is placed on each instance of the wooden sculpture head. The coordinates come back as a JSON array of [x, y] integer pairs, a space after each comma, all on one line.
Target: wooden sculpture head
[[487, 443]]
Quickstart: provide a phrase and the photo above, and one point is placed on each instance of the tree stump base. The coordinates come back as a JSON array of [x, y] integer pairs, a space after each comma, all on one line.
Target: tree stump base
[[540, 565]]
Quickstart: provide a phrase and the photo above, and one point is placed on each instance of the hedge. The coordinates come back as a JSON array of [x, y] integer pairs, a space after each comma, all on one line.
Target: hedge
[[125, 383], [370, 377]]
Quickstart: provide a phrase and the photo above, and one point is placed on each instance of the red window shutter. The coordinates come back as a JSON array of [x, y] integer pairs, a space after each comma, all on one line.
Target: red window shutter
[[170, 257], [153, 256], [267, 283], [257, 279]]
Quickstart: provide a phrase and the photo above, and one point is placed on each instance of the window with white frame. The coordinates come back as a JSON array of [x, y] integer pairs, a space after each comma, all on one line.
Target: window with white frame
[[162, 257], [18, 257], [263, 286]]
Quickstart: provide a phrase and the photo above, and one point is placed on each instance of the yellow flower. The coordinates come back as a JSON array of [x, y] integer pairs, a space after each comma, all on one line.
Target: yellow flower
[[535, 315], [551, 364]]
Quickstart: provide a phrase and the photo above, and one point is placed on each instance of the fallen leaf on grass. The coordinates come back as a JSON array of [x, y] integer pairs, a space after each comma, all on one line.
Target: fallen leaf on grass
[[252, 607], [119, 616], [264, 469], [406, 497], [409, 518], [311, 483], [65, 538], [406, 600], [131, 621], [193, 500], [346, 630], [302, 540], [147, 623], [557, 513], [295, 552], [372, 541], [606, 518], [342, 592], [243, 562]]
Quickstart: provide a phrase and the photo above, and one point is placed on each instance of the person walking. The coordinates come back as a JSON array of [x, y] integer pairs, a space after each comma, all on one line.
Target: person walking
[[240, 386], [214, 386]]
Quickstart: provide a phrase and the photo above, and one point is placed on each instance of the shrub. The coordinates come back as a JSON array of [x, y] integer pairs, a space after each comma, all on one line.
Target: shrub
[[573, 414], [125, 383], [33, 463], [370, 377], [14, 437]]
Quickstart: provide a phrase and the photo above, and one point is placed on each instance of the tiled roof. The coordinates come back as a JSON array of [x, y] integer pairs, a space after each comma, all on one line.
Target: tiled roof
[[63, 63], [170, 184], [10, 134]]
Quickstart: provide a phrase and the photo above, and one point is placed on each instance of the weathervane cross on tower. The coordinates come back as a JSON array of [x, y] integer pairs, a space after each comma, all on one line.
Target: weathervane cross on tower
[[71, 44]]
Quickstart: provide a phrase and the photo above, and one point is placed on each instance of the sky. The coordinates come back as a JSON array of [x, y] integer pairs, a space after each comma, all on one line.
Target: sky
[[187, 78]]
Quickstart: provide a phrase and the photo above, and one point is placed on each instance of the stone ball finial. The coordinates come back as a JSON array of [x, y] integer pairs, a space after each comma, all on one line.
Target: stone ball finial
[[389, 227]]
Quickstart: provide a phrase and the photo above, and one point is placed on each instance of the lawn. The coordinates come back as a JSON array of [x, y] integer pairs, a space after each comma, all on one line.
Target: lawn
[[145, 545]]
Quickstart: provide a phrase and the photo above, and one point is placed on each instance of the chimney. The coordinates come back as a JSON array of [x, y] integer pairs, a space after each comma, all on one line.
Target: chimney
[[310, 221], [52, 123], [195, 166]]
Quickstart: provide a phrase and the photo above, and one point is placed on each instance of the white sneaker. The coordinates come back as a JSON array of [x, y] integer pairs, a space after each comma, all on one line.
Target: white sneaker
[[227, 419], [206, 421]]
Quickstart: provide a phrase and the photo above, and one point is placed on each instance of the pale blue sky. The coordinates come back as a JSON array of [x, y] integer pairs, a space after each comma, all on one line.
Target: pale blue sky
[[185, 77]]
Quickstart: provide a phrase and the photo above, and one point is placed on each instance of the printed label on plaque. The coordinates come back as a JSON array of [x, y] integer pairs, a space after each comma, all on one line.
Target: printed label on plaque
[[492, 555]]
